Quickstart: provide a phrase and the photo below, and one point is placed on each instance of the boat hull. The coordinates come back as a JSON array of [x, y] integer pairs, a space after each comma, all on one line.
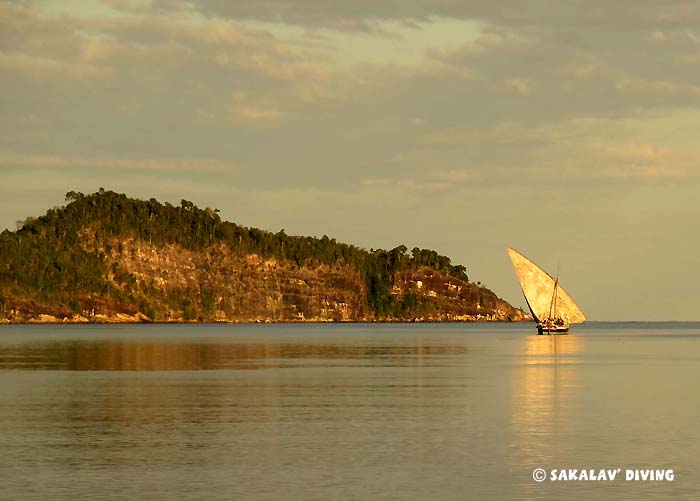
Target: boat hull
[[543, 329]]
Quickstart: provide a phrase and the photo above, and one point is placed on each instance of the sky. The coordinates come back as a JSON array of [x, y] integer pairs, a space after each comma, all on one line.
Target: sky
[[567, 130]]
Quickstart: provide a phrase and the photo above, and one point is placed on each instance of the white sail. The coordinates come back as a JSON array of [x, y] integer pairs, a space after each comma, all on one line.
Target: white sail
[[538, 288]]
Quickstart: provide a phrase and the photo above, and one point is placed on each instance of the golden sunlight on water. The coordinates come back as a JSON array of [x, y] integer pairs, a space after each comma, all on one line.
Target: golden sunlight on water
[[544, 392], [344, 411], [544, 380]]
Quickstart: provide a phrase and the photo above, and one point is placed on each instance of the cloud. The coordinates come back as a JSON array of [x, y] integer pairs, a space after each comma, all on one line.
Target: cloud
[[244, 108], [430, 181], [148, 46], [519, 86], [648, 161], [315, 93], [111, 162], [630, 163], [628, 14], [658, 87], [38, 68], [644, 153], [376, 182], [405, 184]]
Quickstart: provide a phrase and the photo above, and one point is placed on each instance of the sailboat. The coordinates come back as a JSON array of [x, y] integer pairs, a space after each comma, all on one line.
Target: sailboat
[[550, 305]]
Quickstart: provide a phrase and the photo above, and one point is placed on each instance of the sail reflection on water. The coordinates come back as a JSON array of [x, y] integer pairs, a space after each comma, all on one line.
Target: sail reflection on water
[[545, 389]]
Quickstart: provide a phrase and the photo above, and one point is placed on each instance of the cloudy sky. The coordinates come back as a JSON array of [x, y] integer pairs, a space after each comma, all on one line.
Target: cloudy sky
[[568, 130]]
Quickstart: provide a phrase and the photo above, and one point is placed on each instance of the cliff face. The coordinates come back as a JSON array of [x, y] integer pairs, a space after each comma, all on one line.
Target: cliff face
[[174, 284], [448, 298], [217, 285], [171, 264]]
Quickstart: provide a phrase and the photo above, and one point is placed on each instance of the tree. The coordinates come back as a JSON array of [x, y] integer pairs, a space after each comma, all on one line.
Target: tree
[[74, 196]]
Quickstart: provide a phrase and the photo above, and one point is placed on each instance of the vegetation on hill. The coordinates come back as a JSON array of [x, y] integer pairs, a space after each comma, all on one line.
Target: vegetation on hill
[[65, 256]]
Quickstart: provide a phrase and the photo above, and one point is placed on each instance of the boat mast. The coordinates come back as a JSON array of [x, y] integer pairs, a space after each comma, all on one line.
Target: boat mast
[[553, 303]]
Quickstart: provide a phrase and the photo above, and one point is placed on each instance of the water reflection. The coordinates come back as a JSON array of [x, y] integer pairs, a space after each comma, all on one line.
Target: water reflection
[[121, 355], [172, 410], [544, 393], [328, 412]]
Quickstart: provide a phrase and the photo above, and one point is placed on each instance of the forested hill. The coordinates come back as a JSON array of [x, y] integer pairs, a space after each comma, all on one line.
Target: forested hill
[[108, 257]]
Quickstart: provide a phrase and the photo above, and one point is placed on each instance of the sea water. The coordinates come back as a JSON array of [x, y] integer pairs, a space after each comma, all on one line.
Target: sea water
[[349, 411]]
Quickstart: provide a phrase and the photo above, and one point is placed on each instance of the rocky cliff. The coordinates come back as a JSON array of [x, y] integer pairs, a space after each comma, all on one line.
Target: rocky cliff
[[141, 272]]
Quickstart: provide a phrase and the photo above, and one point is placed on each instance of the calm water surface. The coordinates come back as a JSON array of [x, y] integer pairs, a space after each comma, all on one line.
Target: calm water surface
[[441, 411]]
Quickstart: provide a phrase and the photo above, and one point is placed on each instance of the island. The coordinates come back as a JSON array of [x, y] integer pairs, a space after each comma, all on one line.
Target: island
[[106, 257]]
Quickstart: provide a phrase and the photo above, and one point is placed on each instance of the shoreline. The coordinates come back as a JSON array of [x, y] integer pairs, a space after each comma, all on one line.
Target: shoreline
[[112, 321]]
